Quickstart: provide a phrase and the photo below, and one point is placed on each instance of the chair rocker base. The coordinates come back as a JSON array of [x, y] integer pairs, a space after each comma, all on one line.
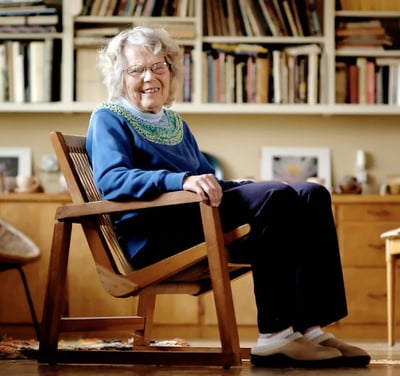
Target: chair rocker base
[[150, 355]]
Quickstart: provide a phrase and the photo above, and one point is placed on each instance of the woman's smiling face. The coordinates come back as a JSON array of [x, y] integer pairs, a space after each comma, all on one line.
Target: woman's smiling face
[[148, 90]]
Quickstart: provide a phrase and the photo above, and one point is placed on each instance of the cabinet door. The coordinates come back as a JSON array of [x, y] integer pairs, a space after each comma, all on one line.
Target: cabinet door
[[35, 219]]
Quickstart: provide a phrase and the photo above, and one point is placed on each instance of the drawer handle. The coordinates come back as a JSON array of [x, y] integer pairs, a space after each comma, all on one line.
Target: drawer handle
[[377, 296], [379, 213], [377, 247]]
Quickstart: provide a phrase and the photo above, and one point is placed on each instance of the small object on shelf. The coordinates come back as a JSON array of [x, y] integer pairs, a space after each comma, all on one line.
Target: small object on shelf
[[350, 185]]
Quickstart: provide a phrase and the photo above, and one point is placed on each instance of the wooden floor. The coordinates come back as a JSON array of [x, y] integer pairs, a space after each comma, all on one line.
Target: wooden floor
[[385, 362]]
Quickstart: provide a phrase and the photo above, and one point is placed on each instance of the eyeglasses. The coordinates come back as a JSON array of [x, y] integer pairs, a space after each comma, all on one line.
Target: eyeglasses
[[157, 68]]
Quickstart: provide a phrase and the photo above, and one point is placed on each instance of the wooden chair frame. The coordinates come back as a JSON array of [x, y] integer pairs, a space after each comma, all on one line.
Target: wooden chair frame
[[176, 274]]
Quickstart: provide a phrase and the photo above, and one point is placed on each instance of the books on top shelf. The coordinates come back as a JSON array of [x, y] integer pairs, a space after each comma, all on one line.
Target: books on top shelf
[[27, 13], [138, 8], [262, 18]]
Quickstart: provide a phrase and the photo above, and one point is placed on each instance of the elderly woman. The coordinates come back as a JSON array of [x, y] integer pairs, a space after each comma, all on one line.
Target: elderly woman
[[139, 149]]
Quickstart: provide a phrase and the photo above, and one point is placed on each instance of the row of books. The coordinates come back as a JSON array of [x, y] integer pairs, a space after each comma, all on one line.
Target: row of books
[[29, 72], [262, 18], [253, 74], [139, 8], [29, 16], [368, 81], [89, 86]]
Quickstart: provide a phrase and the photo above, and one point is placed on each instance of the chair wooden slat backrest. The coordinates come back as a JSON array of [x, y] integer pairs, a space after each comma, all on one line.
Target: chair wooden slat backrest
[[201, 268]]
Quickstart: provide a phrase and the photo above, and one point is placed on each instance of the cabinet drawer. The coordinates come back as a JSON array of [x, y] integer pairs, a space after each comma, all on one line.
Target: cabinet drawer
[[368, 212], [366, 295], [361, 245]]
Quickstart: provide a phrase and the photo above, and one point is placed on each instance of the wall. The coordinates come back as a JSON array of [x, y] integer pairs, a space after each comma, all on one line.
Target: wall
[[236, 139]]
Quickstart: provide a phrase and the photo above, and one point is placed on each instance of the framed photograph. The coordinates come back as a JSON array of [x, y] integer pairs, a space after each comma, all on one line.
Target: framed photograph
[[16, 161], [291, 164]]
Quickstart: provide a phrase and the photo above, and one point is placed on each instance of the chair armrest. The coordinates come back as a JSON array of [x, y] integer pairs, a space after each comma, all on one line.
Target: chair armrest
[[75, 211]]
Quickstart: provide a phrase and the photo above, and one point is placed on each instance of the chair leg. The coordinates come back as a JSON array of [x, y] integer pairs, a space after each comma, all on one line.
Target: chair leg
[[391, 296], [222, 289], [145, 309], [30, 302], [55, 292]]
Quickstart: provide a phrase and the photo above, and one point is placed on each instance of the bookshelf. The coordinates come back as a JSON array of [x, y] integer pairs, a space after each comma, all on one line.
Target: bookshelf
[[198, 33]]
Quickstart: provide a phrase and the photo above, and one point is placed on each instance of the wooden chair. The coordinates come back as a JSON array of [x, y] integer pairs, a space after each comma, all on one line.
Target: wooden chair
[[17, 250], [194, 271], [392, 249]]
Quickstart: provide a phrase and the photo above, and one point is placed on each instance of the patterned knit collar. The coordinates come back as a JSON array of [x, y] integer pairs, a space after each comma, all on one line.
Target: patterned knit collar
[[170, 134]]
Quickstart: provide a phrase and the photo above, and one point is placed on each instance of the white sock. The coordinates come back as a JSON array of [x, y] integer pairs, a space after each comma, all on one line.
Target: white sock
[[265, 338], [313, 332]]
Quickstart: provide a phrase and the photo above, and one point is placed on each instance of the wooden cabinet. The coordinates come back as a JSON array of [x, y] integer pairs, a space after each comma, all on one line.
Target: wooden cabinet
[[360, 220], [32, 214]]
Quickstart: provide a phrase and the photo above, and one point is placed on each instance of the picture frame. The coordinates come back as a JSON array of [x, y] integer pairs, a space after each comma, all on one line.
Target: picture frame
[[16, 161], [292, 164]]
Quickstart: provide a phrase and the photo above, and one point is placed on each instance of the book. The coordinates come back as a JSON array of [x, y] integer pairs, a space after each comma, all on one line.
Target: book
[[21, 29], [250, 80], [95, 9], [302, 79], [314, 22], [112, 8], [280, 16], [229, 78], [187, 77], [296, 17], [36, 71], [16, 69], [371, 84], [262, 78], [312, 77], [97, 31], [3, 73], [304, 49], [211, 78], [245, 18], [231, 18], [361, 31], [276, 76], [353, 83], [360, 24], [259, 26], [103, 8], [50, 71], [26, 11], [290, 18], [340, 82], [45, 19], [291, 65], [240, 48], [270, 18], [361, 63]]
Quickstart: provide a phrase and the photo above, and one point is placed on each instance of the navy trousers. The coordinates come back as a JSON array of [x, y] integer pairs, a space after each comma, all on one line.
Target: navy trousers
[[293, 249]]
